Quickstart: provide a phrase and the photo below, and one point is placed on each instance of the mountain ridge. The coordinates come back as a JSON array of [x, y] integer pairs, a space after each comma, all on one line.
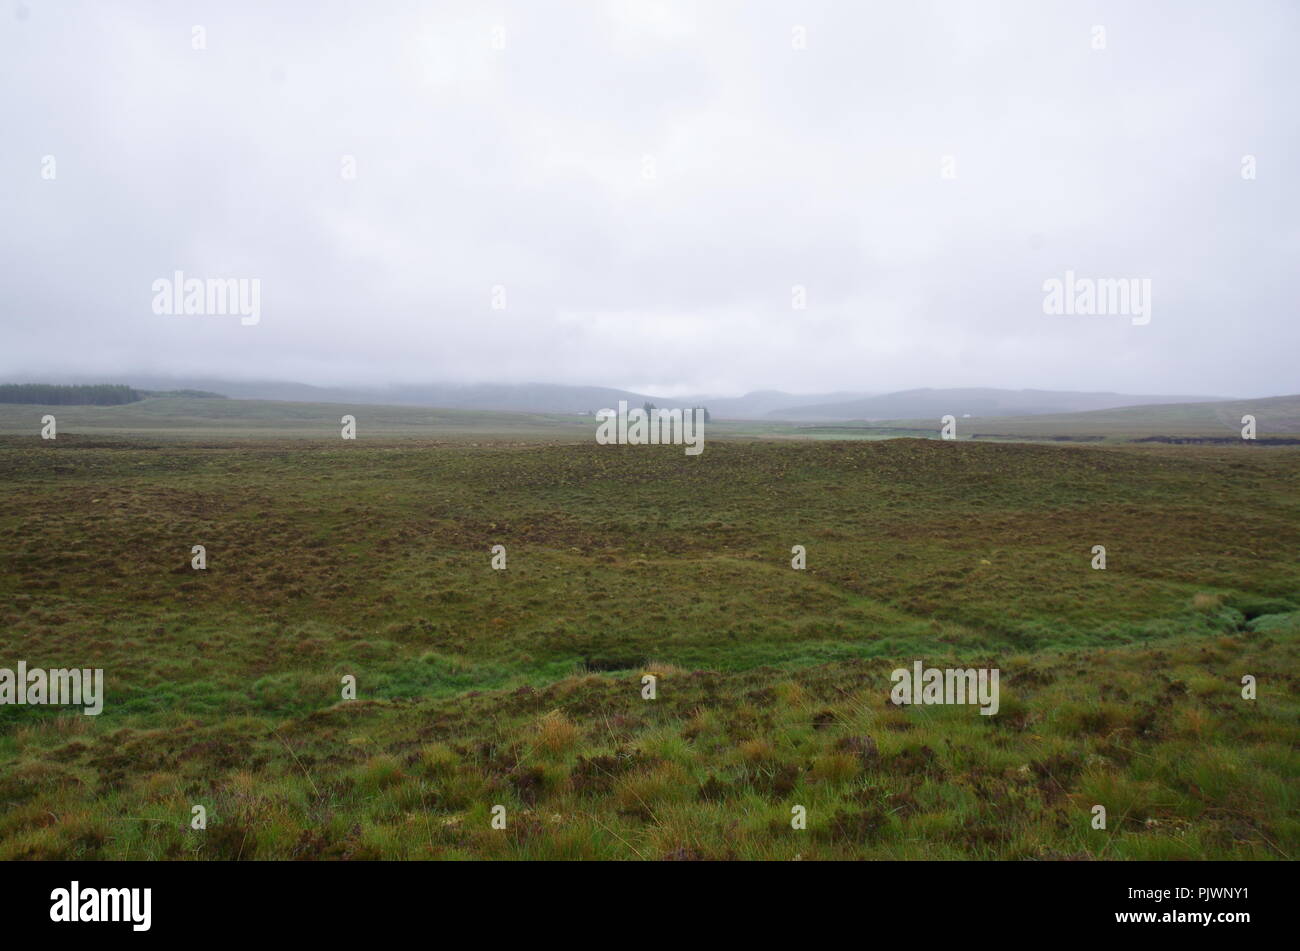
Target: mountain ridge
[[766, 404]]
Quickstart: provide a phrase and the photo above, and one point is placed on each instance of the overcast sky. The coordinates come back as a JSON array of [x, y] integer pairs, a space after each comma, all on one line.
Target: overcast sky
[[648, 182]]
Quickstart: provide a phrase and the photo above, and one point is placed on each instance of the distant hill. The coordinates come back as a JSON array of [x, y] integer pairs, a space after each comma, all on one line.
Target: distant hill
[[767, 403], [191, 417], [496, 397], [764, 405], [1277, 419], [194, 394], [975, 401]]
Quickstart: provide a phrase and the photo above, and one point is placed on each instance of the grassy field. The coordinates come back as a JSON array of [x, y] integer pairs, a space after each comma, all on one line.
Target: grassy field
[[190, 419], [194, 419], [178, 419], [523, 687], [1277, 420]]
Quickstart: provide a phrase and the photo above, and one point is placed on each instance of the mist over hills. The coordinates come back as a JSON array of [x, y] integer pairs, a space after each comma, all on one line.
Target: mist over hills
[[523, 397], [770, 404], [757, 405], [497, 397]]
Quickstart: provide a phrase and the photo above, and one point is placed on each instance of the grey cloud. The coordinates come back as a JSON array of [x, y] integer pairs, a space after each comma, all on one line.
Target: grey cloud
[[522, 167]]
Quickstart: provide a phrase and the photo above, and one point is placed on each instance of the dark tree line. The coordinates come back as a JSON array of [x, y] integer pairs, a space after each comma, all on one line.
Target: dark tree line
[[50, 394]]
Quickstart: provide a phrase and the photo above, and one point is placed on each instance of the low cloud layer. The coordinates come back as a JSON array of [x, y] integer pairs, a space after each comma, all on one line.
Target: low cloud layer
[[641, 189]]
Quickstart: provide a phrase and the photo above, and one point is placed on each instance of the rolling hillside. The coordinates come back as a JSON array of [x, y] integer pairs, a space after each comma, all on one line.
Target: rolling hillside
[[495, 397], [170, 417], [1276, 417], [975, 401], [182, 418]]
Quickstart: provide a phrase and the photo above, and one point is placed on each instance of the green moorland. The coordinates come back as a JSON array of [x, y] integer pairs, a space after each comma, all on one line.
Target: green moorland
[[1277, 421], [173, 417], [523, 688], [189, 419]]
